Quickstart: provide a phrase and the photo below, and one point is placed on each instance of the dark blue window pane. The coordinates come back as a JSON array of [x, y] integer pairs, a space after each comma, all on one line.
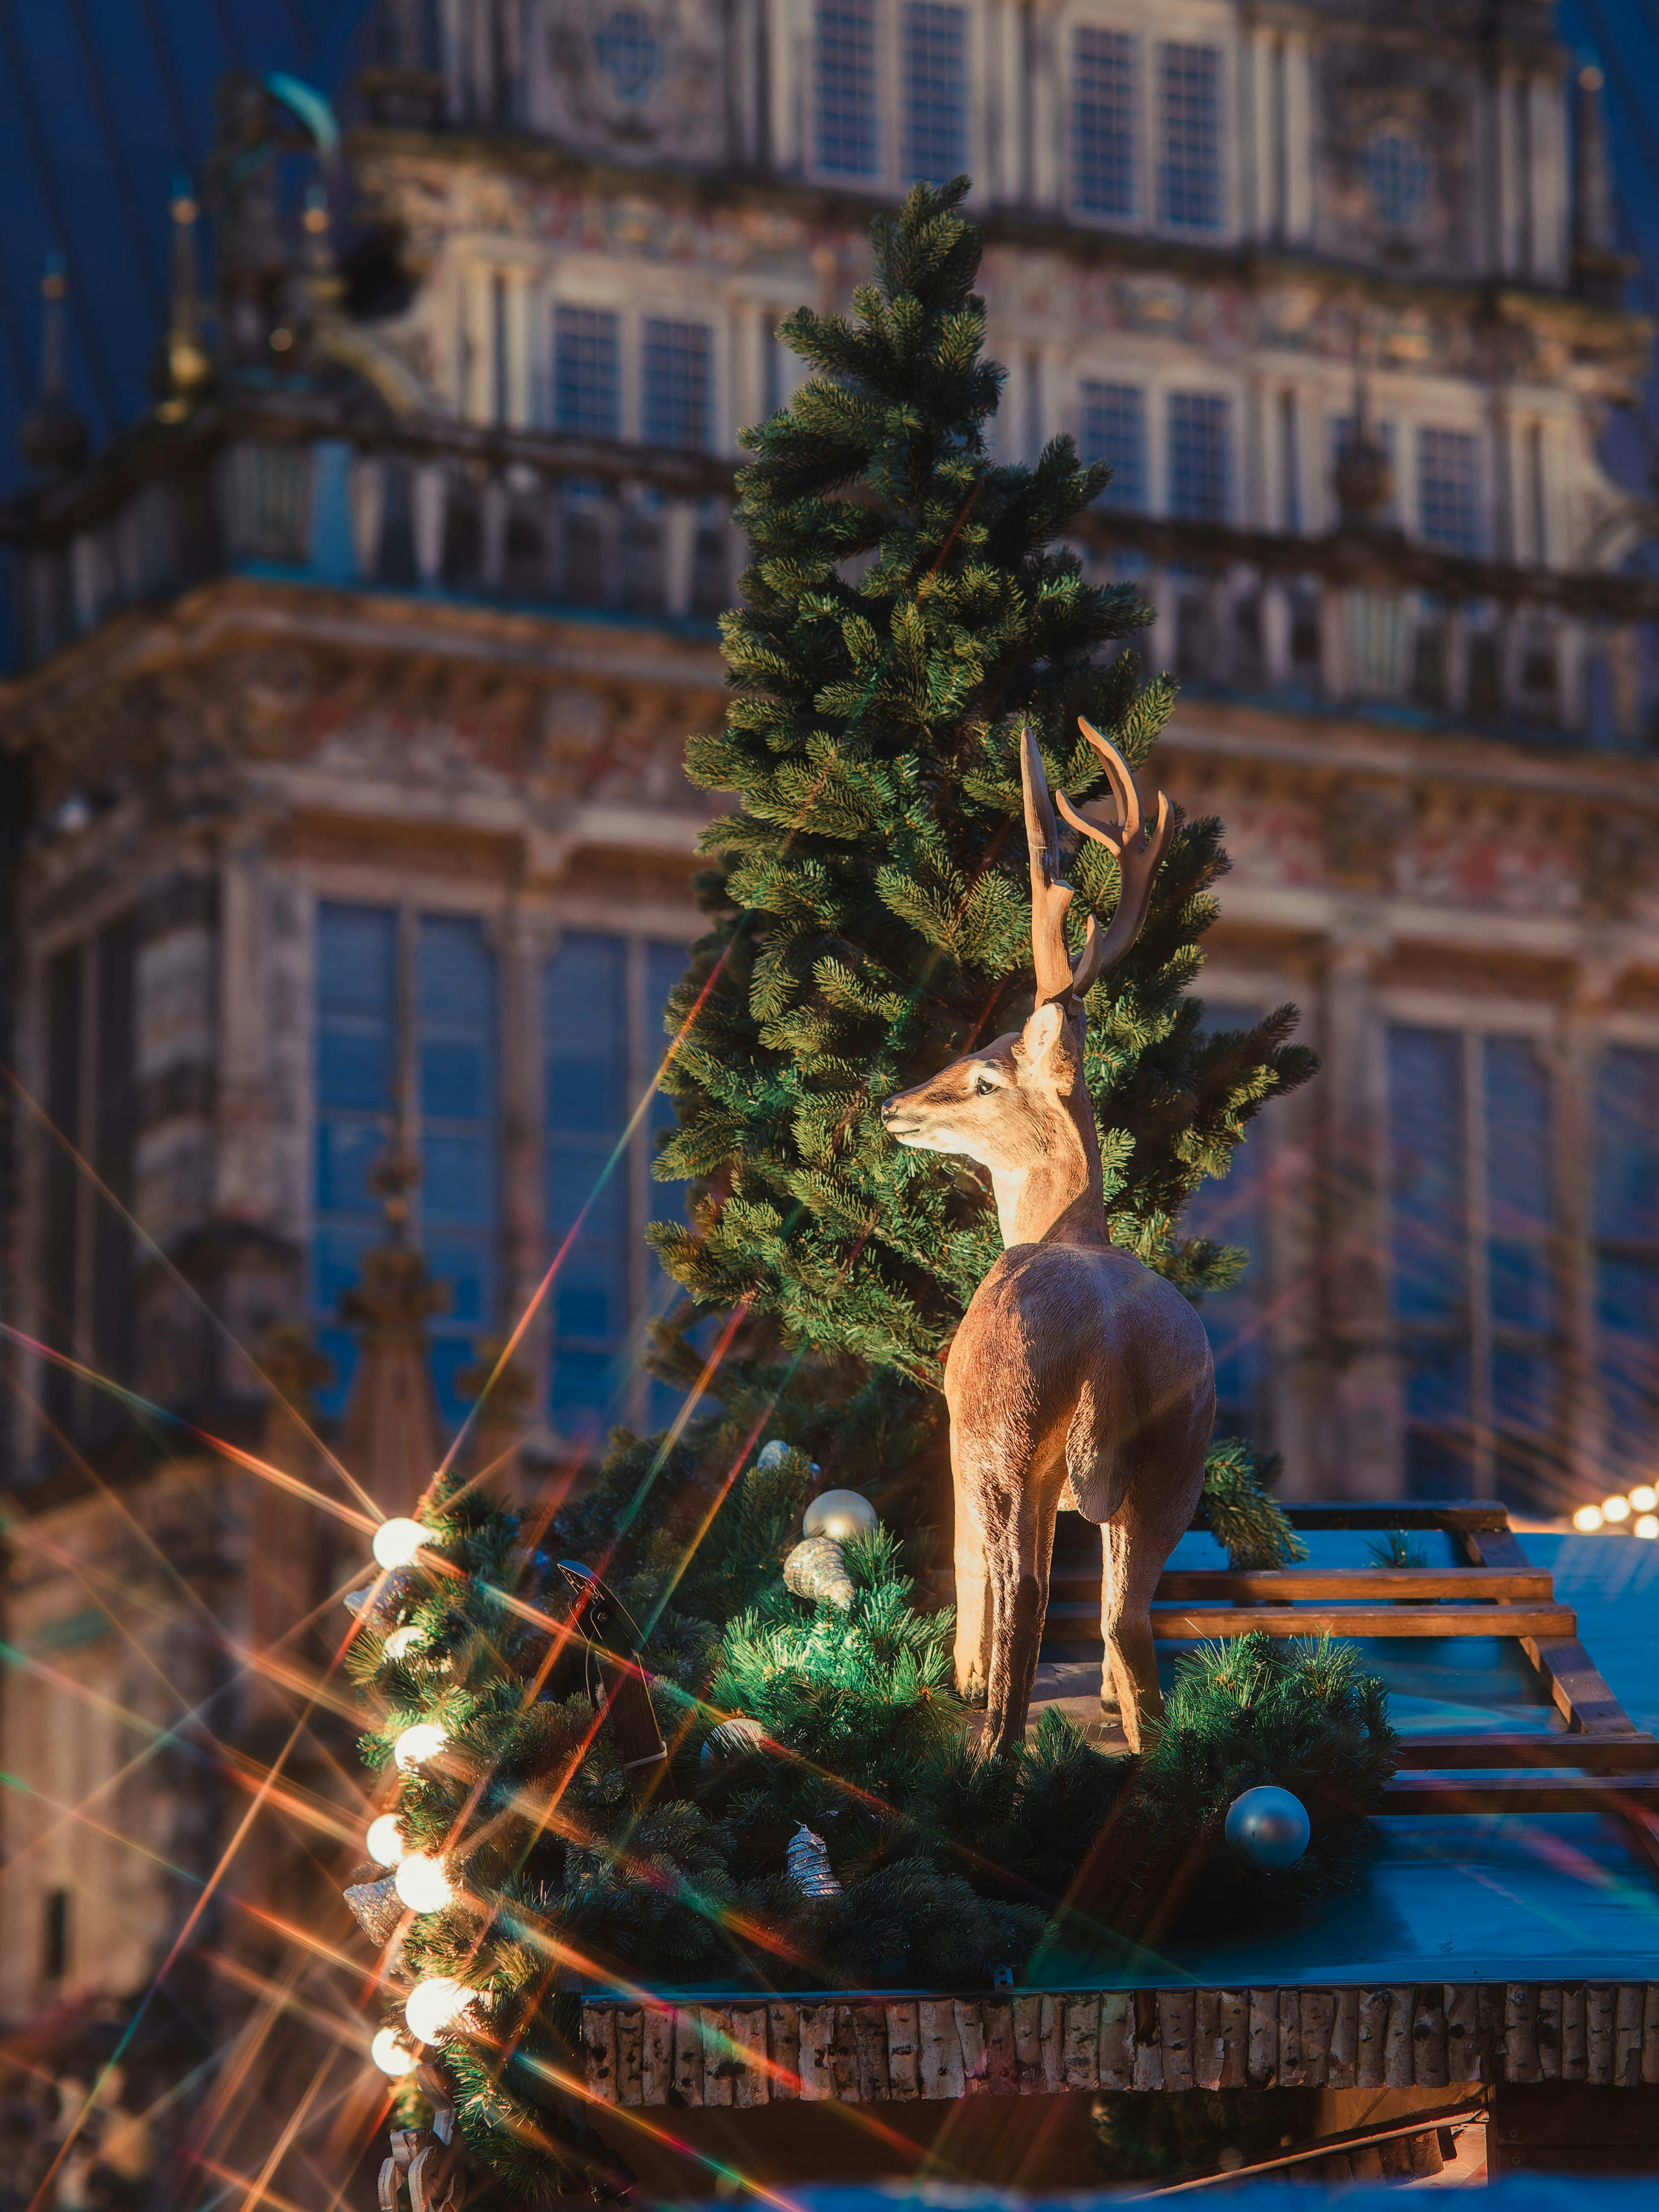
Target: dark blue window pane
[[847, 122], [585, 1385], [345, 1153], [584, 1016], [1114, 430], [1105, 122], [1233, 1211], [1627, 1146], [935, 90], [457, 1057], [1517, 1284], [1517, 1086], [585, 1029], [1425, 1143], [1190, 178], [355, 1061], [1436, 1374], [356, 960], [1199, 465], [1523, 1392], [455, 1184], [454, 1080], [354, 1068]]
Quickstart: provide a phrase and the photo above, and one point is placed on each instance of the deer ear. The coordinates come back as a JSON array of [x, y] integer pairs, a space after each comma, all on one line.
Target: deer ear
[[1043, 1036]]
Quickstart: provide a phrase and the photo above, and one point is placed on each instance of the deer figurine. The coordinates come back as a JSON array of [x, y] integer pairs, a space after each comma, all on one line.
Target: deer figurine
[[1078, 1377]]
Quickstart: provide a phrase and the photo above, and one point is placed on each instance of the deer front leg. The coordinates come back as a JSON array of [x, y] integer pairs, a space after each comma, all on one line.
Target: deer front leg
[[973, 1601]]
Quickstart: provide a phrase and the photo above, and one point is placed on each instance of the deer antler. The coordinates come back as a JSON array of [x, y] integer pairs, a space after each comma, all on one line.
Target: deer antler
[[1050, 897], [1135, 848]]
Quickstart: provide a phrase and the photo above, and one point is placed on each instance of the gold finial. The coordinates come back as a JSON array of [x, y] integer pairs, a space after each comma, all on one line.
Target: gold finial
[[188, 368]]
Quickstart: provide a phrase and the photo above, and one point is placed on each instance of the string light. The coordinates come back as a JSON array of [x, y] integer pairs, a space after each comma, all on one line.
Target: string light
[[1588, 1519], [384, 1840], [1645, 1498], [423, 1883], [397, 1543], [1648, 1526], [402, 1642], [392, 2054], [1616, 1509], [435, 2004], [417, 1745]]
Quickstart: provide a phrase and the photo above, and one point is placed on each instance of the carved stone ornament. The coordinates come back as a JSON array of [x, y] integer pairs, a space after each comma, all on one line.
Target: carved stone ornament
[[1066, 1335], [639, 79]]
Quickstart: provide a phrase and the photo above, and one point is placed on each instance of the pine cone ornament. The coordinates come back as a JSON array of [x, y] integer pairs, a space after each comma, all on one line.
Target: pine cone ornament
[[806, 1863], [816, 1571]]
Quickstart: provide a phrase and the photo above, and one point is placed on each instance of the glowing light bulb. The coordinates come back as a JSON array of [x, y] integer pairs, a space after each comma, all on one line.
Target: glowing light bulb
[[392, 2054], [384, 1840], [435, 2005], [417, 1745], [423, 1884], [1616, 1509], [397, 1543], [1648, 1526], [1588, 1518], [402, 1642], [1645, 1498]]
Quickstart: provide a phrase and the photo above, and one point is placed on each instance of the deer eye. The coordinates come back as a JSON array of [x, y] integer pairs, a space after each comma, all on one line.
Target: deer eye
[[984, 1087]]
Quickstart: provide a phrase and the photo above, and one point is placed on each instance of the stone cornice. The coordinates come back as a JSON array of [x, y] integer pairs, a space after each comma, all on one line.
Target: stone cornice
[[828, 208]]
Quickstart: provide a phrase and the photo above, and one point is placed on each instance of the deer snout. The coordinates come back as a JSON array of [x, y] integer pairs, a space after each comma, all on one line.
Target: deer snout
[[896, 1118]]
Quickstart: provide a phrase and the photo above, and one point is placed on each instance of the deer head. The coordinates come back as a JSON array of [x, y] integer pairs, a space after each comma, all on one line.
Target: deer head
[[1018, 1106]]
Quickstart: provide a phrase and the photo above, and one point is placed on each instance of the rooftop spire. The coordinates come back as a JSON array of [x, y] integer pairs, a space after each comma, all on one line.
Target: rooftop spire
[[188, 368], [52, 436]]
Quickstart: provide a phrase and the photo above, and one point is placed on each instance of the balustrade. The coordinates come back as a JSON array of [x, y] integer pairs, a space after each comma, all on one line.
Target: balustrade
[[534, 521]]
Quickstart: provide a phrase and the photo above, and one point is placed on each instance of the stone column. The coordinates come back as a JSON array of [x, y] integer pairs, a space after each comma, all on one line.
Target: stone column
[[1361, 1456], [1577, 1045]]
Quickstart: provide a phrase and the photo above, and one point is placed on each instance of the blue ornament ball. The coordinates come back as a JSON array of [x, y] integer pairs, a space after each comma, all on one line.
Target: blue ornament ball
[[1267, 1827]]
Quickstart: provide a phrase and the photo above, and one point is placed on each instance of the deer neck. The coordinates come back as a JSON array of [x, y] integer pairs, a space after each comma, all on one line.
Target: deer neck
[[1055, 1198]]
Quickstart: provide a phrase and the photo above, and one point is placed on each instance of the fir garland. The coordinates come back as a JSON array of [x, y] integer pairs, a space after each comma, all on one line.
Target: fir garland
[[949, 1866]]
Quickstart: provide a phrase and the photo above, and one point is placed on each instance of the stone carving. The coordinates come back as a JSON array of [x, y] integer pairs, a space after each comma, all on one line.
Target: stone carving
[[640, 79], [1078, 1377]]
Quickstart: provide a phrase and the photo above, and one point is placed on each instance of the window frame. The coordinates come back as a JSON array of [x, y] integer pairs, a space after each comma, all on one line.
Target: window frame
[[1160, 380], [606, 289], [889, 176], [1479, 1332], [1180, 22], [404, 1117]]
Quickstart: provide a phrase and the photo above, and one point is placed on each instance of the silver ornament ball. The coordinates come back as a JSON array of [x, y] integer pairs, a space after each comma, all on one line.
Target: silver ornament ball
[[1267, 1827], [839, 1515]]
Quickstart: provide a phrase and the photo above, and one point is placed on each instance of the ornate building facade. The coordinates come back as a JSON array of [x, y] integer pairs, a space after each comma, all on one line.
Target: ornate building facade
[[353, 683]]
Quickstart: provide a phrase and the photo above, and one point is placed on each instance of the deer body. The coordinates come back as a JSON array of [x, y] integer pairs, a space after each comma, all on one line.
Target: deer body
[[1078, 1377]]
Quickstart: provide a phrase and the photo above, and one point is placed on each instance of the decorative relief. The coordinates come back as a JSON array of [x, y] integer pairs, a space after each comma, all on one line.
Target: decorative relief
[[1398, 157], [638, 79], [1487, 857]]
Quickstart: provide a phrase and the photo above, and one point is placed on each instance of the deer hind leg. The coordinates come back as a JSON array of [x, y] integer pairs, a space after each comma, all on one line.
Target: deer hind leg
[[1130, 1672], [1018, 1560]]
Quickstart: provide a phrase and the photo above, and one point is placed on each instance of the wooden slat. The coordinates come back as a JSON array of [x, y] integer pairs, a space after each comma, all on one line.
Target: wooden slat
[[1581, 1696], [1636, 1754], [1076, 1581], [1476, 1513], [1171, 1622], [1519, 1793]]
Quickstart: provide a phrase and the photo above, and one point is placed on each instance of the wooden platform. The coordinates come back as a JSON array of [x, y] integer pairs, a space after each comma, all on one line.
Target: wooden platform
[[1498, 1592], [866, 2049]]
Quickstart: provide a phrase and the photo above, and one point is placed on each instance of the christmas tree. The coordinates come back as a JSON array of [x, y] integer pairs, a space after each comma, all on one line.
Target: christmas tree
[[907, 610]]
